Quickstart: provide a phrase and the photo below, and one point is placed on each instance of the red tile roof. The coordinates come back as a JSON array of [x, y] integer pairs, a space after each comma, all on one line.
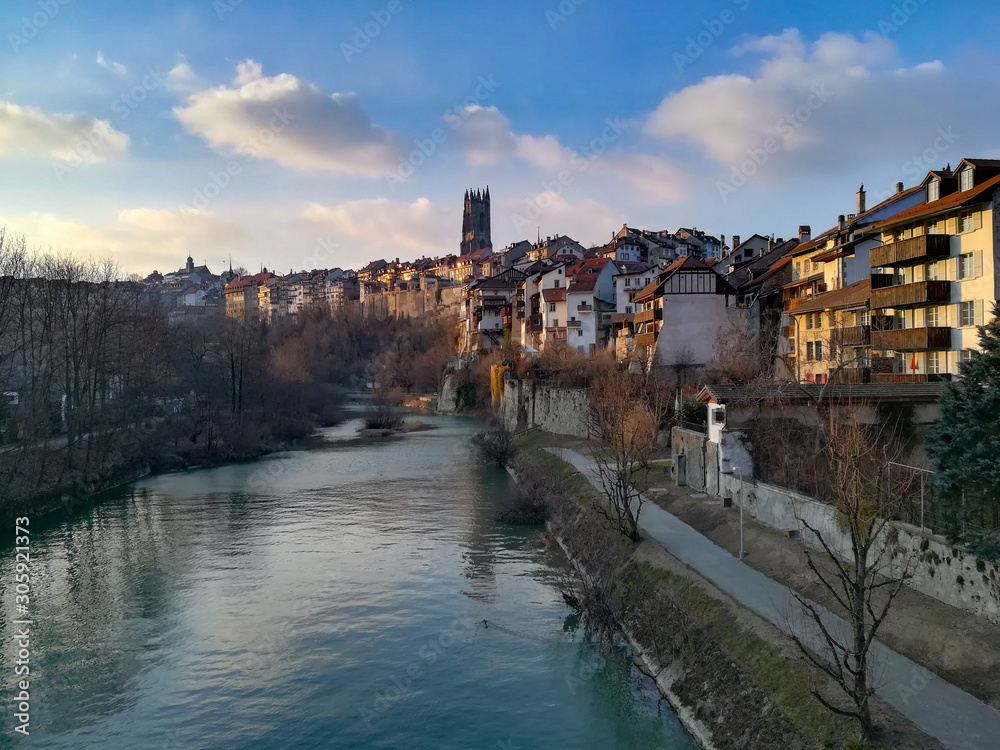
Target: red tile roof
[[848, 296], [554, 295]]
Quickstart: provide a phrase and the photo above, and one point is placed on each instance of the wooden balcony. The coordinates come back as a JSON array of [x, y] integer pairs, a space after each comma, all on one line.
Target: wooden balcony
[[912, 339], [852, 375], [648, 316], [912, 295], [574, 323], [645, 339], [535, 324], [899, 377], [909, 252], [584, 307], [852, 336]]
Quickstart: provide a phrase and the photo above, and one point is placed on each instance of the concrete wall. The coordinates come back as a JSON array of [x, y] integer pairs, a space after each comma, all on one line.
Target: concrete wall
[[939, 571], [530, 403], [690, 449]]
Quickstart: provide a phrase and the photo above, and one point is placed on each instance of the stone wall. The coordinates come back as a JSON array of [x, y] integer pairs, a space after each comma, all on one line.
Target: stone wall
[[945, 573], [414, 303], [550, 407]]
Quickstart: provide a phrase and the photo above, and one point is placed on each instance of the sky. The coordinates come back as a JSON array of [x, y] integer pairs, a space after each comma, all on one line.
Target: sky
[[303, 134]]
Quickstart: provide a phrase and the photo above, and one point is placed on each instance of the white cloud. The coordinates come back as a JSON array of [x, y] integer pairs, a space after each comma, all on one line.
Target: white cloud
[[182, 78], [140, 239], [586, 221], [388, 226], [74, 138], [291, 122], [832, 103], [115, 67], [487, 140]]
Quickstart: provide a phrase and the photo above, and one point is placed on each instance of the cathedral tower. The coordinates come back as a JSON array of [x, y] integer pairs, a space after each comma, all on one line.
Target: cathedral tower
[[476, 233]]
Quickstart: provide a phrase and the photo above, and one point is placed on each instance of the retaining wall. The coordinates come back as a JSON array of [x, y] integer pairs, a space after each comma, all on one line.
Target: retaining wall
[[945, 573], [549, 407]]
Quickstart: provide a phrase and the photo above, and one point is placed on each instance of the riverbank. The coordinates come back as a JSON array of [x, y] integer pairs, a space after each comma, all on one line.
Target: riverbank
[[735, 680]]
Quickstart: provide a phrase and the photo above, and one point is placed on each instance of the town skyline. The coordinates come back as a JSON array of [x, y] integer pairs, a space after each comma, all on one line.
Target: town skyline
[[349, 128]]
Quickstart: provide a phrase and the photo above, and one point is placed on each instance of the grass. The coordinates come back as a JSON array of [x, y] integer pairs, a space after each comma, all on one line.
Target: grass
[[784, 679]]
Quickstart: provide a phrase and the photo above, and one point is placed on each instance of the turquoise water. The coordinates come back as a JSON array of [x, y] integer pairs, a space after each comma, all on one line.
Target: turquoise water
[[328, 598]]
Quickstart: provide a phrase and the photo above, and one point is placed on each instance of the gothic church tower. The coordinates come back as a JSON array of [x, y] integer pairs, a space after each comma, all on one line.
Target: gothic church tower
[[476, 233]]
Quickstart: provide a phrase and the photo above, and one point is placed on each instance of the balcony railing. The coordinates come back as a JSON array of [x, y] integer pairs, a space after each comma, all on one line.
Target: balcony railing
[[573, 324], [912, 295], [899, 377], [648, 316], [852, 336], [585, 307], [645, 339], [912, 339], [911, 251]]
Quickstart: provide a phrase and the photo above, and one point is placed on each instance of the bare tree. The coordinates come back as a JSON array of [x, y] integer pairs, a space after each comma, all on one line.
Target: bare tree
[[862, 568], [627, 428]]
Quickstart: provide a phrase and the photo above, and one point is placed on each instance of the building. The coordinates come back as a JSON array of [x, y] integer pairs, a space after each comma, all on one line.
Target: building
[[631, 279], [684, 309], [589, 303], [476, 225], [243, 296], [936, 272]]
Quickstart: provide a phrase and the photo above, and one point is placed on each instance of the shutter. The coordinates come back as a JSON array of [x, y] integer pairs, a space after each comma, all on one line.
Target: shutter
[[980, 304], [951, 269], [951, 226], [977, 263], [977, 219]]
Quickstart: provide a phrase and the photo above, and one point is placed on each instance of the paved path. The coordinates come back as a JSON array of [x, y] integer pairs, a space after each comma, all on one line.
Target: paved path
[[956, 719]]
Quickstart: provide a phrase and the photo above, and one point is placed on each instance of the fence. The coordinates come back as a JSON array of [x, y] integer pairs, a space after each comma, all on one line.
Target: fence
[[923, 507]]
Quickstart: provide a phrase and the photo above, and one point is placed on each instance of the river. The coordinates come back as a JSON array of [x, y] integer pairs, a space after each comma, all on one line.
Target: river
[[350, 594]]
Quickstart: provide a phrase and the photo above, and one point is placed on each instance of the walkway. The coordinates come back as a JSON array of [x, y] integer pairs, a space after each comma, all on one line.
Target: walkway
[[953, 717]]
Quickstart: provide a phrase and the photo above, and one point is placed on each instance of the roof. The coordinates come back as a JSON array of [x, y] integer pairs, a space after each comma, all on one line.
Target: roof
[[682, 264], [848, 296], [952, 200], [905, 392], [554, 295], [627, 267], [805, 280]]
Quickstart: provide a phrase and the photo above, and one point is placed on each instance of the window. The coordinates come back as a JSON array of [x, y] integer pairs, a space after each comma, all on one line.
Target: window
[[818, 349], [900, 235], [966, 313], [898, 320], [933, 190], [809, 351], [555, 322], [628, 283], [832, 317], [933, 362], [932, 318], [556, 283], [818, 323], [931, 271], [628, 309], [965, 266], [552, 307], [809, 321], [965, 179], [934, 227], [579, 332], [966, 222], [964, 357]]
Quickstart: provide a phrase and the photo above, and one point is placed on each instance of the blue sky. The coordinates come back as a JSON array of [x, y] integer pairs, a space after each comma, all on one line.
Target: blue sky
[[308, 134]]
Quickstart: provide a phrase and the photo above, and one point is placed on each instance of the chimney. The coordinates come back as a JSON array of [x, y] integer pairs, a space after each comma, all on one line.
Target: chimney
[[840, 221], [899, 188], [861, 200], [805, 233], [736, 241]]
